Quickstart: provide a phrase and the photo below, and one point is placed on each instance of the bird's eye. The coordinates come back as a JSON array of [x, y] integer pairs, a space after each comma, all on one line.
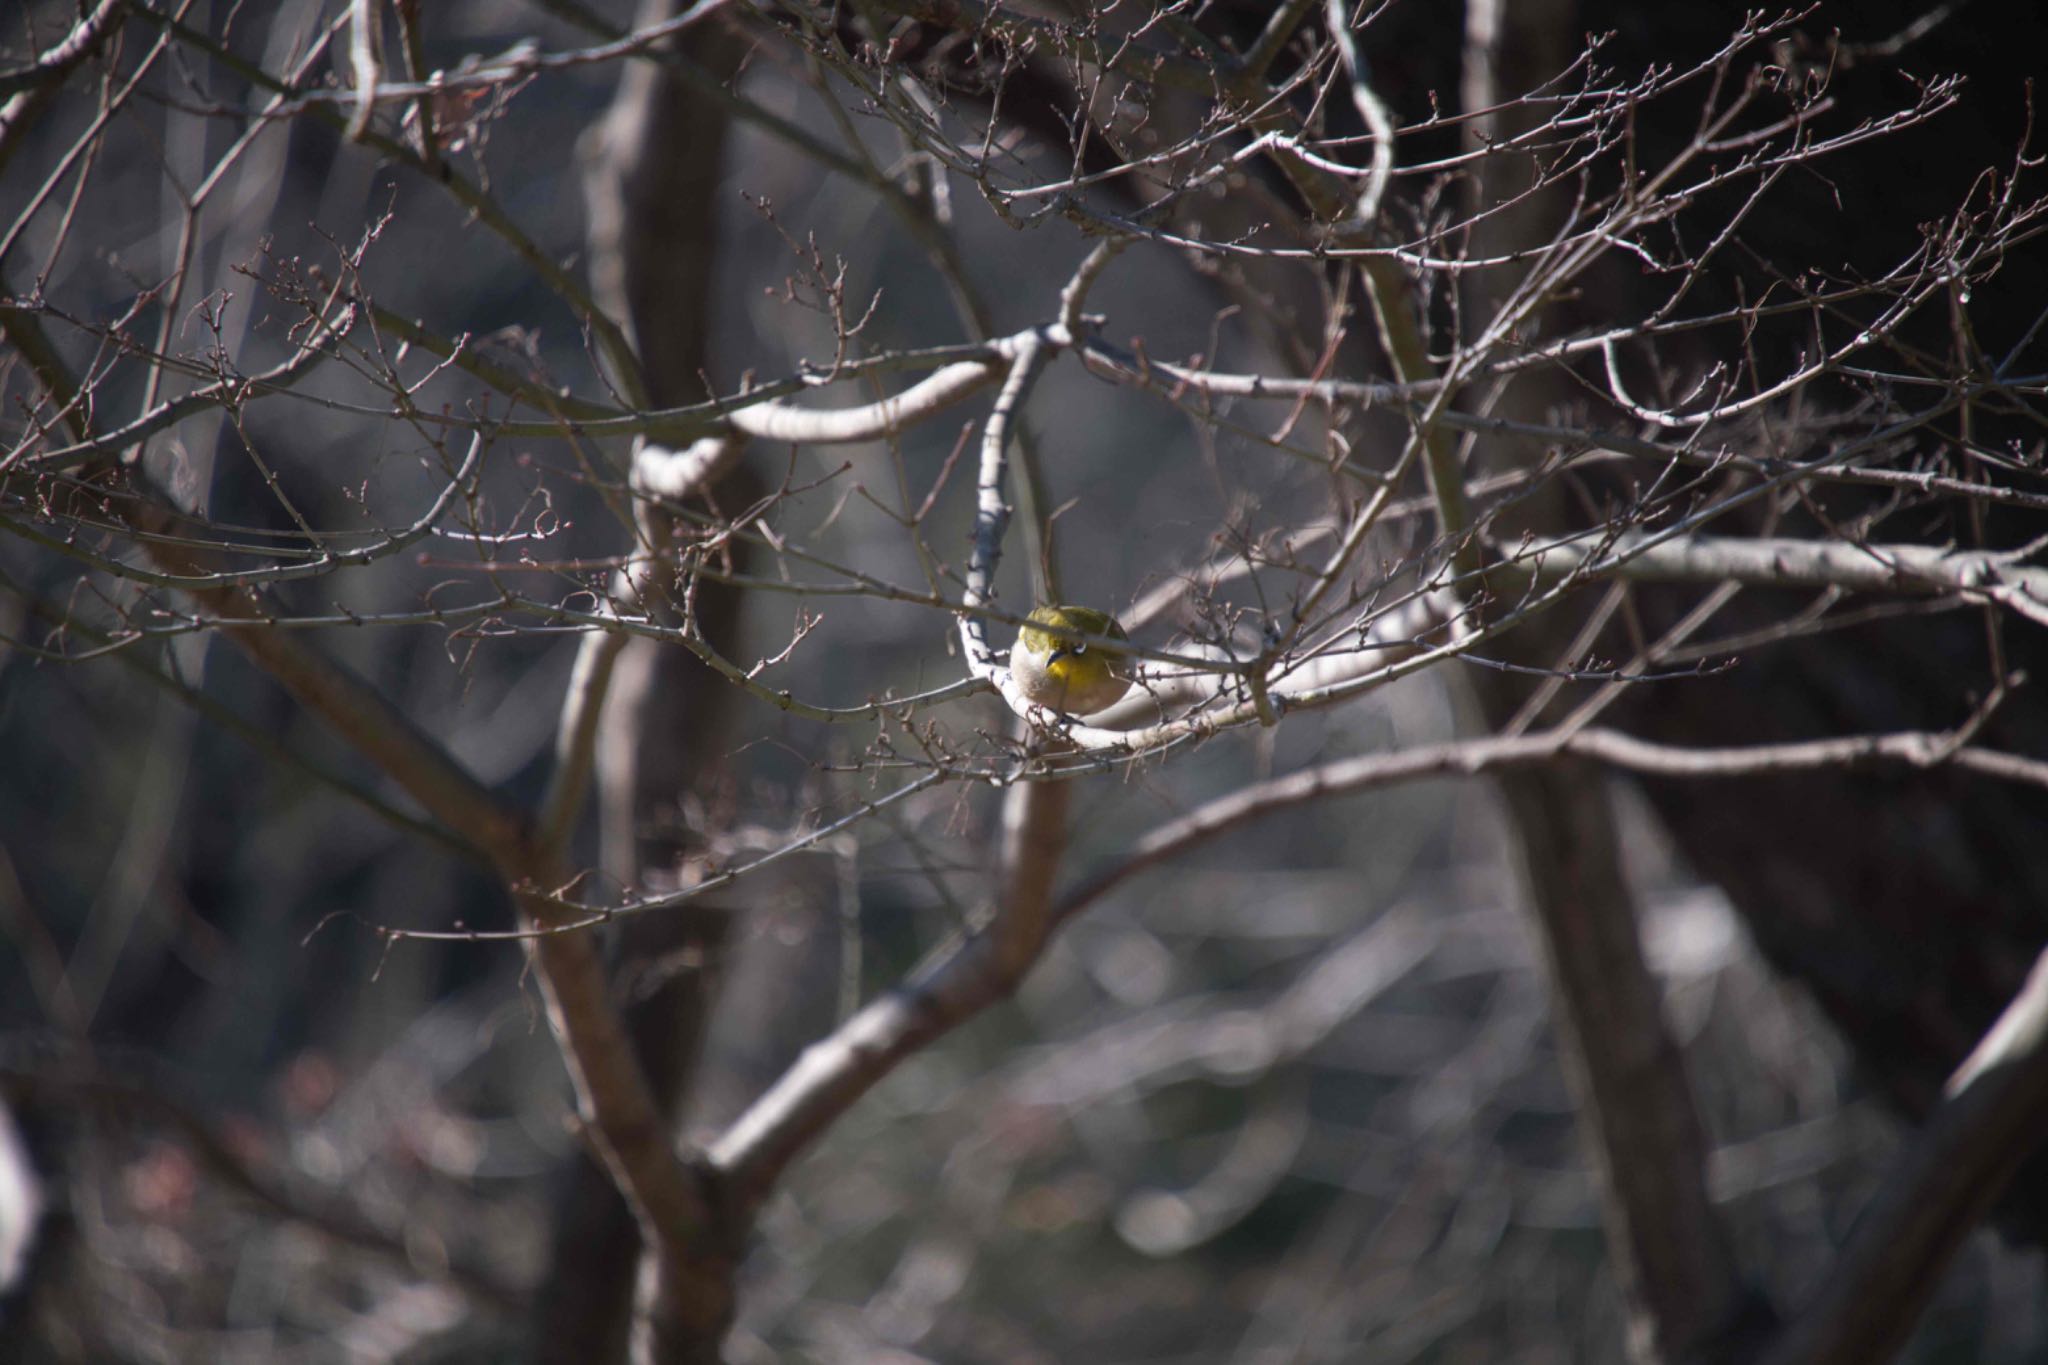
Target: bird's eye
[[1080, 648]]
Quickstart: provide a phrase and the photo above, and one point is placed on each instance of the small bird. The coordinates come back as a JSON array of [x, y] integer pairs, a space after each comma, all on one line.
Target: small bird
[[1079, 677]]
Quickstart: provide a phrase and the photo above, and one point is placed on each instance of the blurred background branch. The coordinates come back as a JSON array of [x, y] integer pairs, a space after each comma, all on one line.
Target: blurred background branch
[[619, 446]]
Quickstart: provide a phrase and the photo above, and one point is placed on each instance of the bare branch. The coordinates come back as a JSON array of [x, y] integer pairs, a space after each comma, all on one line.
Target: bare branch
[[1936, 1193]]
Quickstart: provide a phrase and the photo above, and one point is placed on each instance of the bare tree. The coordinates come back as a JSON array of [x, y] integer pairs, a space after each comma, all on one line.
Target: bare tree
[[1340, 390]]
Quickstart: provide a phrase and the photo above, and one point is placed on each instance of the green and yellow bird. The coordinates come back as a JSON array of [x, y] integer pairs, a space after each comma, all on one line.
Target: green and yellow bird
[[1079, 677]]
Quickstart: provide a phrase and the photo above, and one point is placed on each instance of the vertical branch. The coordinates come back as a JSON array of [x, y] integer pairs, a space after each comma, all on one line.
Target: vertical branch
[[1034, 813], [962, 978], [366, 57], [621, 1118], [1670, 1252], [992, 508], [576, 735], [1371, 110], [641, 718], [423, 110], [613, 1099], [1635, 1104]]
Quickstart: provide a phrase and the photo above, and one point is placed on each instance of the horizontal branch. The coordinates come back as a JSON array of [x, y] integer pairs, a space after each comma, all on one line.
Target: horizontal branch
[[963, 369], [1612, 748], [227, 393], [1981, 575], [1126, 367]]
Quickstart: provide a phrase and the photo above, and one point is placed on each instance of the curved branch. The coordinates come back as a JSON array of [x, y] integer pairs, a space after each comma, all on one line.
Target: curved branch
[[965, 977], [1936, 1193], [873, 421], [955, 984]]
